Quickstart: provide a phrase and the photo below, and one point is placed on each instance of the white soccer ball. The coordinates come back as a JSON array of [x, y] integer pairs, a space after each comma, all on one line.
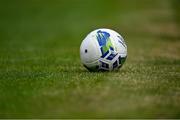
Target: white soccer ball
[[103, 50]]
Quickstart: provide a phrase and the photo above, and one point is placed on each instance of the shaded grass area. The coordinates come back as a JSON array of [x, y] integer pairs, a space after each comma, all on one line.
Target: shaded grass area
[[40, 71]]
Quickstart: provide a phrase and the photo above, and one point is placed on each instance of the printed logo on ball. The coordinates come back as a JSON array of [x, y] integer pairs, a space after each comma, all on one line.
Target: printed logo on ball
[[104, 42]]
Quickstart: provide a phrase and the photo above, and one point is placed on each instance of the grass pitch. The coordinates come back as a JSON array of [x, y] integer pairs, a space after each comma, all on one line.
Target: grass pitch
[[40, 71]]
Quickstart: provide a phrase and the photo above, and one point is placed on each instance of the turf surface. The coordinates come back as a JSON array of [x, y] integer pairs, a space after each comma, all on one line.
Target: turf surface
[[40, 71]]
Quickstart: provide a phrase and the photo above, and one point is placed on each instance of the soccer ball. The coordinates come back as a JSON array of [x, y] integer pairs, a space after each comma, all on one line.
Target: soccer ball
[[103, 50]]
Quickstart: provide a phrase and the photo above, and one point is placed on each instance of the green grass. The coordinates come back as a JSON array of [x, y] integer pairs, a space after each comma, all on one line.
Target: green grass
[[41, 75]]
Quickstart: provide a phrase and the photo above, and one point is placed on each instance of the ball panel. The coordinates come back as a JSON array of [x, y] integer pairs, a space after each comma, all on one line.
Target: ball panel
[[88, 50]]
